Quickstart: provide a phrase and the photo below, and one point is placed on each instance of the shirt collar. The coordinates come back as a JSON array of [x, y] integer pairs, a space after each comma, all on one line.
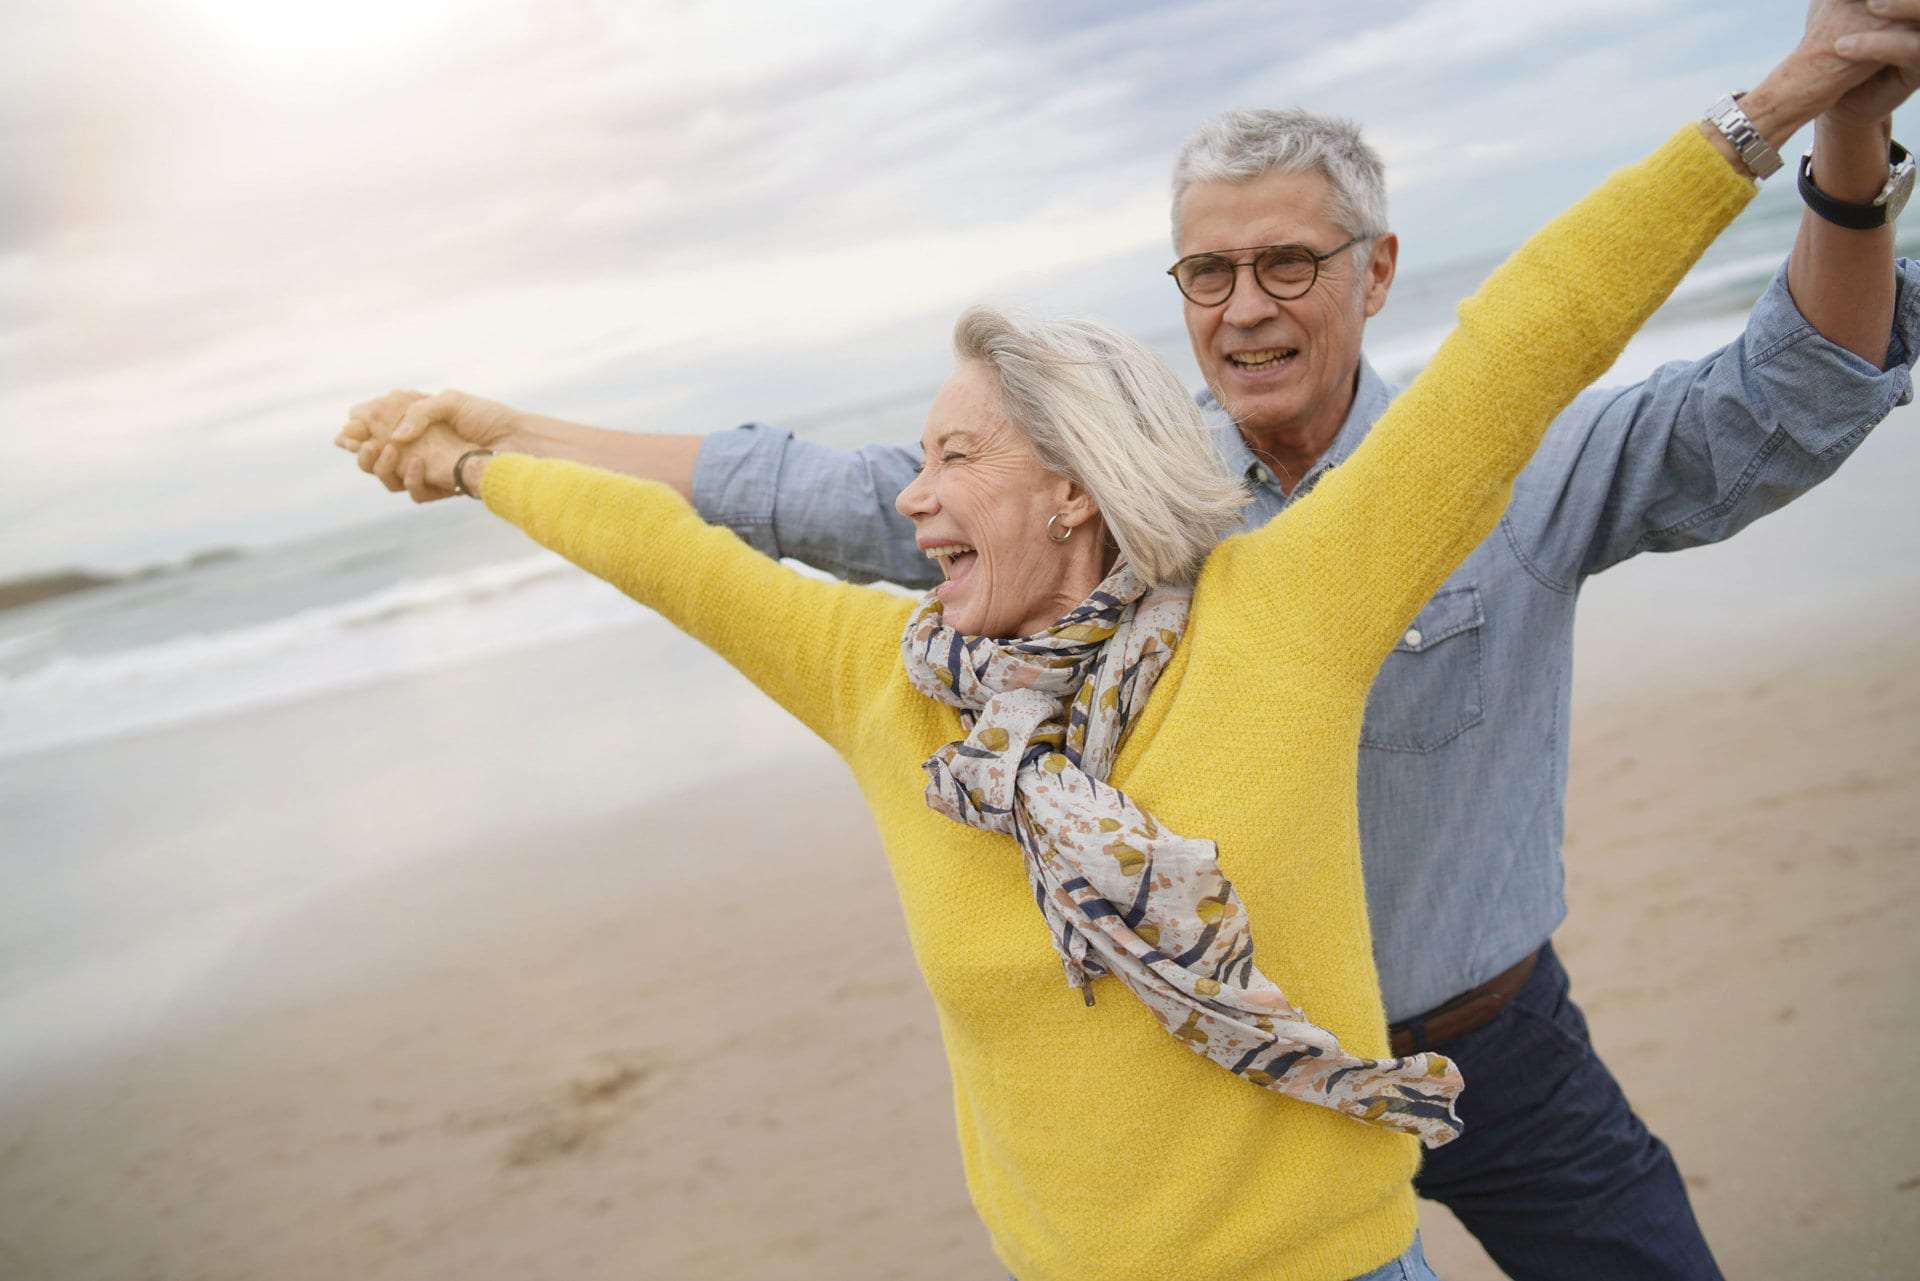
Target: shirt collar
[[1371, 396]]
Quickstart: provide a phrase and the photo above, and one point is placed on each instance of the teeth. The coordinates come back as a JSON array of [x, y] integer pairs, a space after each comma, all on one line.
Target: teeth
[[951, 549], [1260, 359]]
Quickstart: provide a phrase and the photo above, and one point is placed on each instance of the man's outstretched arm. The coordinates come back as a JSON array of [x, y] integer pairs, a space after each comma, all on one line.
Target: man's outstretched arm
[[829, 508], [1701, 449], [377, 429], [825, 507]]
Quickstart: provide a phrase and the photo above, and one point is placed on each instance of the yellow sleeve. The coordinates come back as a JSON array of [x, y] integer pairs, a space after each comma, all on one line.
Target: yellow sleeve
[[819, 649], [1382, 531]]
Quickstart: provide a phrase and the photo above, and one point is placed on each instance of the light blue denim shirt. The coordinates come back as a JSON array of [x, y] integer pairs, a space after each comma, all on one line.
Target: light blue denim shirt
[[1463, 769]]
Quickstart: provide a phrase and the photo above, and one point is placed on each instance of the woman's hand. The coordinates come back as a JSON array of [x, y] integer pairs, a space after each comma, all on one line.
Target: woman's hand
[[425, 465], [380, 433]]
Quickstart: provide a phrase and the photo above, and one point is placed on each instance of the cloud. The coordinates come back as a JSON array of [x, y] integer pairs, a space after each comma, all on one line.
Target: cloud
[[222, 231]]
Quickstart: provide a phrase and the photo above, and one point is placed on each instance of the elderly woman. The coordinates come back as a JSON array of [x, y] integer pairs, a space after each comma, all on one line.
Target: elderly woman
[[1107, 746]]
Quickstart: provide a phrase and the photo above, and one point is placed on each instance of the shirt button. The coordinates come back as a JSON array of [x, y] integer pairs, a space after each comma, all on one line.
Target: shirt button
[[1413, 637]]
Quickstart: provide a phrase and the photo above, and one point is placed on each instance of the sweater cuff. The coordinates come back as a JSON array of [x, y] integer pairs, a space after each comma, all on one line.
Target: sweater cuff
[[504, 490], [1689, 158]]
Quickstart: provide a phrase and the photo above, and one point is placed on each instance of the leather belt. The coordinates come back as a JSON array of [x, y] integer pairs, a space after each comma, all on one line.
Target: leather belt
[[1467, 1012]]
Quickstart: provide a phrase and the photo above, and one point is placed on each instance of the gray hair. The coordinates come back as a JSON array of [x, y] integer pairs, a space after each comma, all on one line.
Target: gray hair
[[1102, 410], [1239, 146]]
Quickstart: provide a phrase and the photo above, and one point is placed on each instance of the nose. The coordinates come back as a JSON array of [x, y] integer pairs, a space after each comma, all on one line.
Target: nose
[[916, 500], [1248, 305]]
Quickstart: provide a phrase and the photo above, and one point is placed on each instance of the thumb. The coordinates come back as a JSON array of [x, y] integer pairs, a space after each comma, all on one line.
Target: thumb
[[421, 414]]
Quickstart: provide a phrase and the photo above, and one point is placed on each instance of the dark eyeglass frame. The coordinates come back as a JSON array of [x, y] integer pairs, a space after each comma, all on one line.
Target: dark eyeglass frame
[[1261, 253]]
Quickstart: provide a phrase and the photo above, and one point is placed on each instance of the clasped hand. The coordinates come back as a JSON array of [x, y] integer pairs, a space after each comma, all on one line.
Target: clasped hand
[[410, 441]]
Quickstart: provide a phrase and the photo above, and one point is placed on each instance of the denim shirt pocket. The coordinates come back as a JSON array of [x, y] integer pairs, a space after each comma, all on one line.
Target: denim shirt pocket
[[1431, 689]]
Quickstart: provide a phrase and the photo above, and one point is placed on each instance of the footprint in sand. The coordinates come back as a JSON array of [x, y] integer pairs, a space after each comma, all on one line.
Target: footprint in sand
[[598, 1098]]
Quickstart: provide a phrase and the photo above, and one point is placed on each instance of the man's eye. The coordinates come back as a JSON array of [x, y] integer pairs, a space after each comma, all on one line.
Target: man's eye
[[947, 458]]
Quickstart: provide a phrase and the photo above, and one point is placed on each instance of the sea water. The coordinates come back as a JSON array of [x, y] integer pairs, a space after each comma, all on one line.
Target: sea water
[[433, 588]]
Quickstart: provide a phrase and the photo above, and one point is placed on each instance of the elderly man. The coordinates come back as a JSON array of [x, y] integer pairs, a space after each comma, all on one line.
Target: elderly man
[[1284, 253]]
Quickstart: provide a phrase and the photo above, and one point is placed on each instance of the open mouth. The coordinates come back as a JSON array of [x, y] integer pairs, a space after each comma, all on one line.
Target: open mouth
[[956, 561], [1267, 358]]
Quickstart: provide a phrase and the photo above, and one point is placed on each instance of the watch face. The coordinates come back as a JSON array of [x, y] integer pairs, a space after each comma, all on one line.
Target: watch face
[[1899, 188]]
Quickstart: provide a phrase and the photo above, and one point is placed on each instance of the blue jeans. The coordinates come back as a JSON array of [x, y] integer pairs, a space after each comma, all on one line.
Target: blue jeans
[[1553, 1172], [1411, 1266]]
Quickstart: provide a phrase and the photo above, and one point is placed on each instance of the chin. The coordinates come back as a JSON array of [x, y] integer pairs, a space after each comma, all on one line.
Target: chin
[[961, 618], [1258, 412]]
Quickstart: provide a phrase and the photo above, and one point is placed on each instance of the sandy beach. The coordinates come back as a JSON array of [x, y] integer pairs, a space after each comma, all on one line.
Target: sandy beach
[[504, 1043]]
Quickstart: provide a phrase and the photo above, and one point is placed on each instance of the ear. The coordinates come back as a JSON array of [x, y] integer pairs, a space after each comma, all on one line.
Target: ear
[[1380, 267], [1073, 503]]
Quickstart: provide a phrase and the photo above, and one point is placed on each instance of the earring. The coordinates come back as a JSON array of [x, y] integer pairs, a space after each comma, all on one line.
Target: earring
[[1050, 534]]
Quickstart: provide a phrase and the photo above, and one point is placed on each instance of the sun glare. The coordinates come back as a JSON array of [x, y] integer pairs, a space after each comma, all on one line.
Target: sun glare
[[276, 30]]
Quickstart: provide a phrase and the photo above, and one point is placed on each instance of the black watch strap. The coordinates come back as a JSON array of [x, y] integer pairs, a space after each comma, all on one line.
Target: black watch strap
[[1845, 213]]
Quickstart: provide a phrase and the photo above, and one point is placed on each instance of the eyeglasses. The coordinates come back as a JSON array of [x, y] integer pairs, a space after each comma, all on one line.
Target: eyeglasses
[[1283, 271]]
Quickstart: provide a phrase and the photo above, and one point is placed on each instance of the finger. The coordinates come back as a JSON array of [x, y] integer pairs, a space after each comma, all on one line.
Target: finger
[[422, 412], [387, 468], [398, 398], [369, 454], [416, 478], [1896, 10], [353, 435], [1898, 47]]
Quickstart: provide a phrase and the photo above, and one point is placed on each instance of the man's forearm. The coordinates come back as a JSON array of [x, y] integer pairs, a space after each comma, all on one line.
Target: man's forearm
[[1842, 280], [668, 459]]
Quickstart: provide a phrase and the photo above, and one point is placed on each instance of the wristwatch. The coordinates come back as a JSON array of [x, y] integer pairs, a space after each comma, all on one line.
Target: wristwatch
[[1879, 211], [1755, 152]]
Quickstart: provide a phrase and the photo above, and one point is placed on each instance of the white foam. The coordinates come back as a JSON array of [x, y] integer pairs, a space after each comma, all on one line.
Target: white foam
[[408, 627]]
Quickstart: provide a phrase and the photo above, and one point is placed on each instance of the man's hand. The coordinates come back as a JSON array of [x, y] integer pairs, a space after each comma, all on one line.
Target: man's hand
[[379, 432], [1863, 53], [1872, 104]]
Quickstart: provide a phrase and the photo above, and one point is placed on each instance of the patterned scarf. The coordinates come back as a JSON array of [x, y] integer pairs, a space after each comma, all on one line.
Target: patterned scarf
[[1045, 716]]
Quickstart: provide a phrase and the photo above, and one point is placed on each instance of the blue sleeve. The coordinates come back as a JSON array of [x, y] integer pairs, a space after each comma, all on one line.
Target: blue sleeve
[[1702, 449], [825, 507]]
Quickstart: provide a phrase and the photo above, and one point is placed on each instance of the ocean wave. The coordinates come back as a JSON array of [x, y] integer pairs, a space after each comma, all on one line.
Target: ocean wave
[[409, 626]]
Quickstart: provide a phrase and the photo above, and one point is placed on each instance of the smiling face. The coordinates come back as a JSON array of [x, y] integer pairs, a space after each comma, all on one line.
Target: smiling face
[[1283, 370], [980, 507]]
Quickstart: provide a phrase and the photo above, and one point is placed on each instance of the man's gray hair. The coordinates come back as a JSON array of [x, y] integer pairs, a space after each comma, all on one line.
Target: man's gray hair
[[1102, 410], [1239, 146]]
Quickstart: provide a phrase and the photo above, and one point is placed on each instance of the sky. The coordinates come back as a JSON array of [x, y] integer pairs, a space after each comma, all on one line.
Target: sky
[[225, 221]]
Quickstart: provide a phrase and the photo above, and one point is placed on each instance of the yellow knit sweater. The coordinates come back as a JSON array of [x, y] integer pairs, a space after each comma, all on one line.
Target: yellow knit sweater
[[1097, 1147]]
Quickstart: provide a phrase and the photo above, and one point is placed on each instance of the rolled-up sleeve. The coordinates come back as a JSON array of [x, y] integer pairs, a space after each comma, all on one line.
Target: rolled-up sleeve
[[1703, 448], [825, 507]]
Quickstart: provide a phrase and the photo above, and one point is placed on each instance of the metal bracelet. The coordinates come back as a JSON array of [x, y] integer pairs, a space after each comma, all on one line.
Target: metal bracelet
[[1755, 152], [459, 485]]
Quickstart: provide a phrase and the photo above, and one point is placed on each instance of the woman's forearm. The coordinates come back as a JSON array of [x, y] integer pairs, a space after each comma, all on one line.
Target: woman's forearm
[[819, 649]]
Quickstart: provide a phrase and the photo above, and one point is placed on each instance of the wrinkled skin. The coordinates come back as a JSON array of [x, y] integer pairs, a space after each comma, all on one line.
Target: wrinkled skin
[[981, 484]]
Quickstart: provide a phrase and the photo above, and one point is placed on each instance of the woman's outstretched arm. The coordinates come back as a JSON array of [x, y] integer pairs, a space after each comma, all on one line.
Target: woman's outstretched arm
[[819, 649]]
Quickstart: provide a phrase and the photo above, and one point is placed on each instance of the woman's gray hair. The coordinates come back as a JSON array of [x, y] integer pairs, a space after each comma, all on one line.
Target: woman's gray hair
[[1239, 146], [1102, 410]]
